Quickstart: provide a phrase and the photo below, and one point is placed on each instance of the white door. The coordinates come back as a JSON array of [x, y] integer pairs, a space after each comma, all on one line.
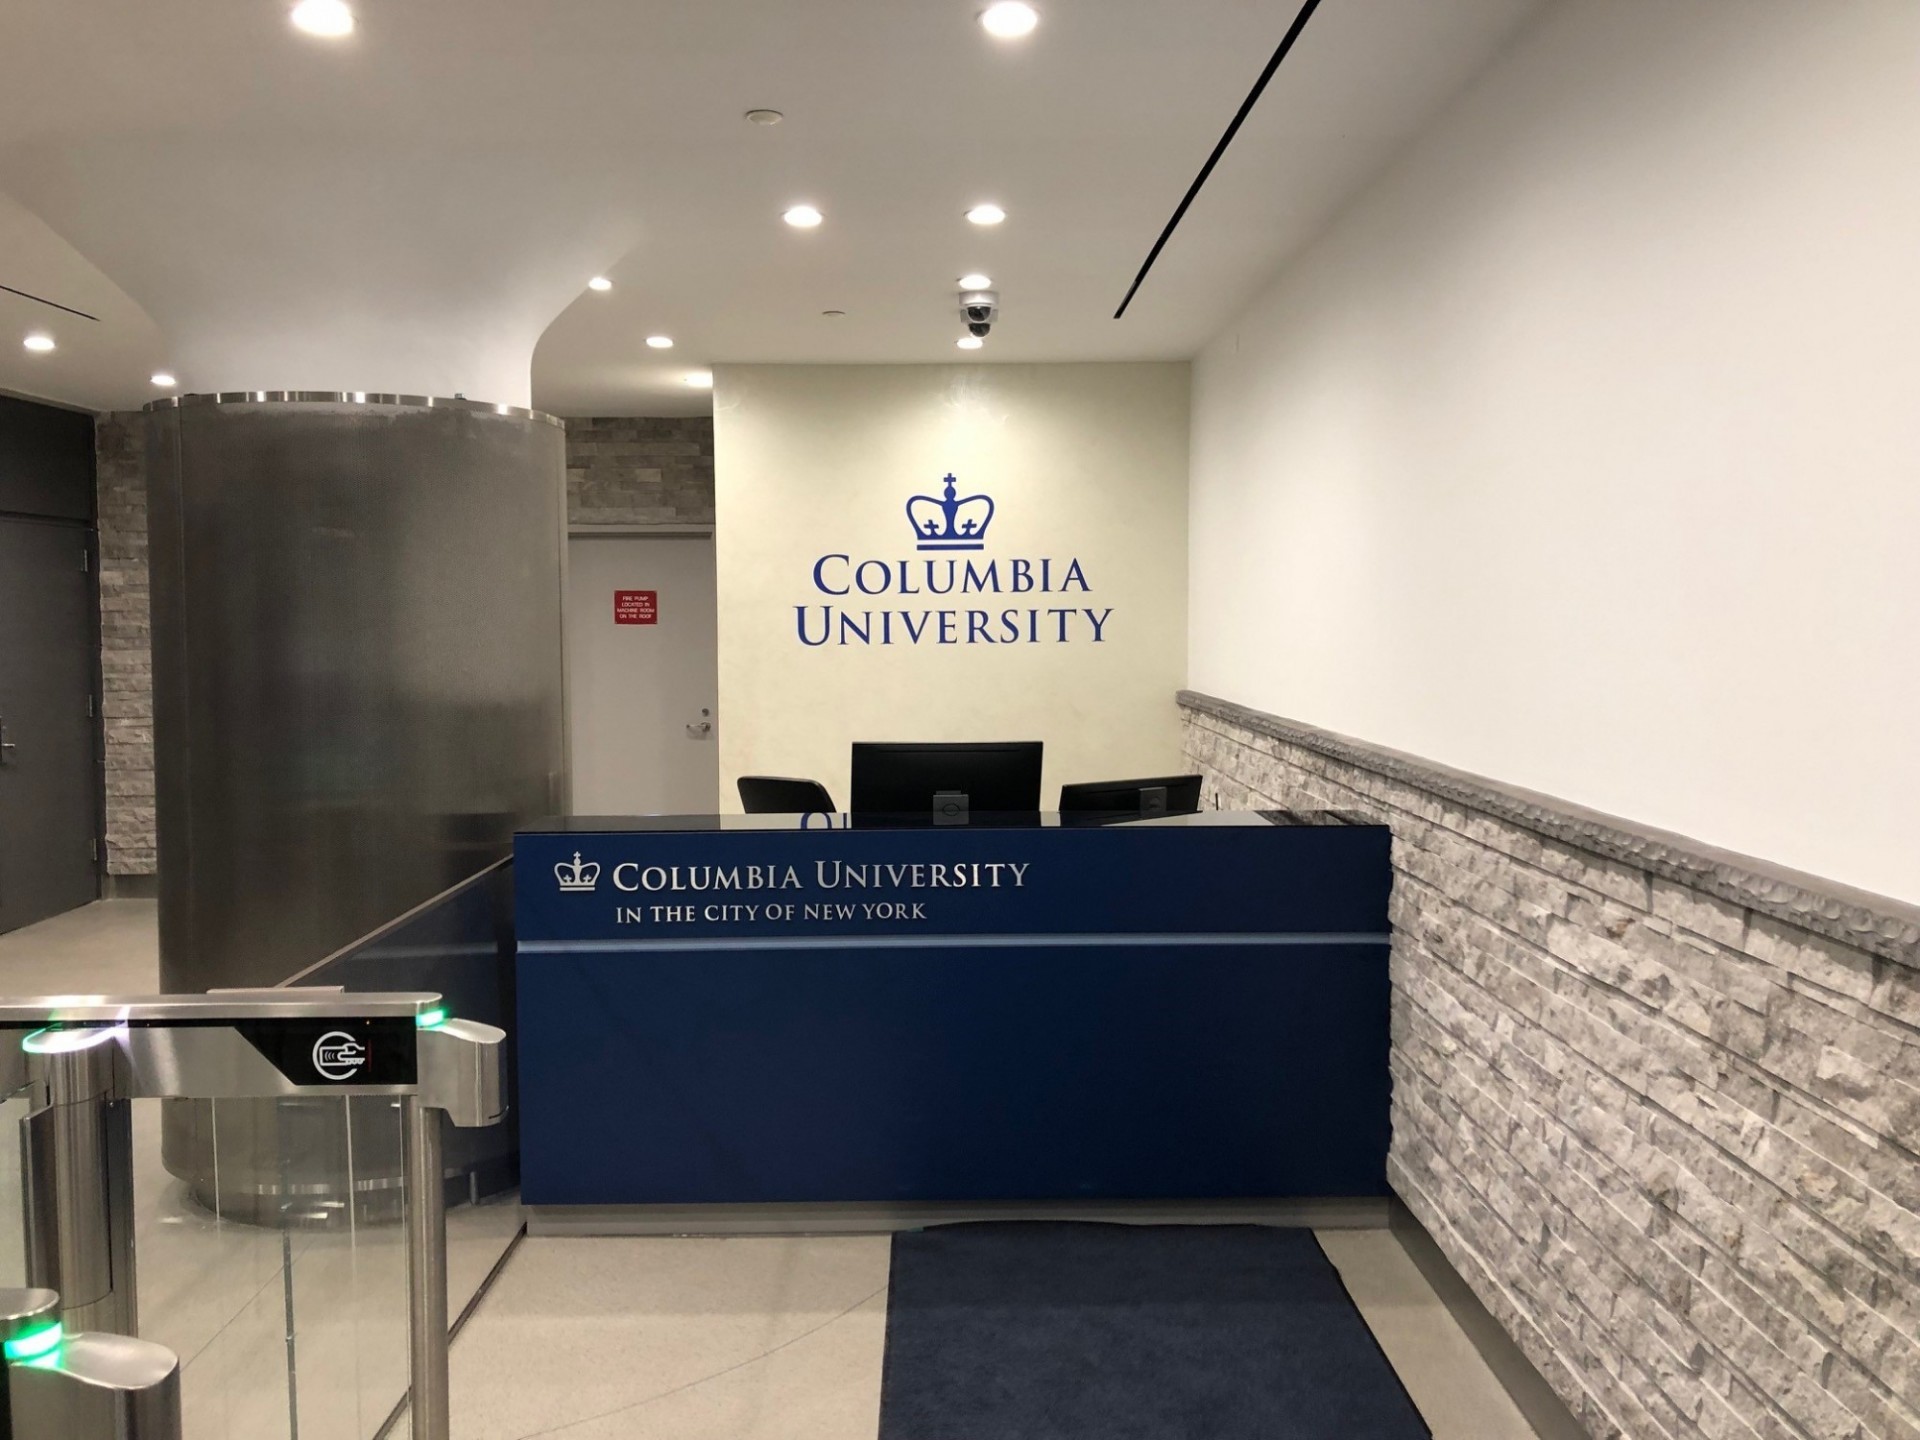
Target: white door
[[642, 675]]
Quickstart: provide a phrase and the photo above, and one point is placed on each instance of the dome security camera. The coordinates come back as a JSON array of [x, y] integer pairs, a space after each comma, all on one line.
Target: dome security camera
[[979, 308]]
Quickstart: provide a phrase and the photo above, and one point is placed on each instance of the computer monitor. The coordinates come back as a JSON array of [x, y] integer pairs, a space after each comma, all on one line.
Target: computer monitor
[[1133, 799], [903, 779]]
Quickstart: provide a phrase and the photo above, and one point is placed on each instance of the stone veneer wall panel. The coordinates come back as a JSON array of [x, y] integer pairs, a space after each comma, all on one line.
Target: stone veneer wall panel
[[636, 472], [1667, 1129], [126, 655]]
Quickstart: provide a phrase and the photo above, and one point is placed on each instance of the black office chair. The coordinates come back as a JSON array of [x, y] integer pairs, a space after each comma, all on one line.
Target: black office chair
[[782, 795]]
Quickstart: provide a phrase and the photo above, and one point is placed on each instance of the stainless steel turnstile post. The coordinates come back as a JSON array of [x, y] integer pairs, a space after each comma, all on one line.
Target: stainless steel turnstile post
[[77, 1173], [426, 1265], [60, 1386], [461, 1080], [81, 1061]]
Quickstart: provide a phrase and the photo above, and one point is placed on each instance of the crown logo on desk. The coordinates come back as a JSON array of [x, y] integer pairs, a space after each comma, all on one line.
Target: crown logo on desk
[[949, 523], [577, 876]]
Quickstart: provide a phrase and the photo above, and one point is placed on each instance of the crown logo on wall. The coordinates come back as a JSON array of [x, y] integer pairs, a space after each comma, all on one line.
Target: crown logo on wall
[[577, 876], [947, 523]]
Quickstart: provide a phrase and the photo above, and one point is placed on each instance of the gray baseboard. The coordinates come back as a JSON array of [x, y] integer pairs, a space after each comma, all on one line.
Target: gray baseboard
[[130, 887], [881, 1218], [1544, 1410]]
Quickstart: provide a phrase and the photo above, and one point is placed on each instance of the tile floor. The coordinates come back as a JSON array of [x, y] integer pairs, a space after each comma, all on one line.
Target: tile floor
[[699, 1339], [775, 1338]]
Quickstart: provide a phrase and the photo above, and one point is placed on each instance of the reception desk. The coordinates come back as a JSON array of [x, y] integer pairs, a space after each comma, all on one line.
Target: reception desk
[[762, 1011]]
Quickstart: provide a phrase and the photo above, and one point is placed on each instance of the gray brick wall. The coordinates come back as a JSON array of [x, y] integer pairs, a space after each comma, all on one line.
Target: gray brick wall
[[620, 472], [637, 472], [1671, 1140], [126, 658]]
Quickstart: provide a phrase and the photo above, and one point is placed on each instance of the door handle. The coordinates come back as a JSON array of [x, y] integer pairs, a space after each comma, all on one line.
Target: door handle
[[701, 728], [6, 745]]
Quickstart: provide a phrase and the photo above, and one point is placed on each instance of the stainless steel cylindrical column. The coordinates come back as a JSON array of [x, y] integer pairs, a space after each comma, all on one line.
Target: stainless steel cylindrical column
[[427, 1269], [367, 589], [77, 1167]]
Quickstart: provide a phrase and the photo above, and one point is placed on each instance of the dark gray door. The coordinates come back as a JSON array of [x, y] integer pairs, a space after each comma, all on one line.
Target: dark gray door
[[49, 808]]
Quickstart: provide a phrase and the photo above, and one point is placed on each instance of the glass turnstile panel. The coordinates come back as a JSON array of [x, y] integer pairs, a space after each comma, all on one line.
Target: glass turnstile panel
[[209, 1284], [347, 1285], [285, 1300], [272, 1259], [462, 948], [13, 1248]]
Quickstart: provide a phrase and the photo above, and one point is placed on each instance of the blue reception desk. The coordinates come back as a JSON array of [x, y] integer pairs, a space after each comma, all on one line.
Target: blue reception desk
[[746, 1011]]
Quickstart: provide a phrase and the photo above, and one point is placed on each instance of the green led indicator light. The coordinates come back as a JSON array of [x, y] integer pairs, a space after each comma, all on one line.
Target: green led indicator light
[[33, 1344], [431, 1019], [55, 1040]]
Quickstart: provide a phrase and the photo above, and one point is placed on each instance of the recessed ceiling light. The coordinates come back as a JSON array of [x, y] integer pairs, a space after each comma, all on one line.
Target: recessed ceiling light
[[659, 342], [803, 217], [969, 342], [38, 342], [765, 117], [164, 380], [1009, 19], [986, 214], [976, 281], [701, 380], [329, 19], [599, 282]]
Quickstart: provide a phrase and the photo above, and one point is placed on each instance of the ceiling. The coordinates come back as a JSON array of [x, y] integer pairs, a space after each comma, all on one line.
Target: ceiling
[[228, 195], [106, 353]]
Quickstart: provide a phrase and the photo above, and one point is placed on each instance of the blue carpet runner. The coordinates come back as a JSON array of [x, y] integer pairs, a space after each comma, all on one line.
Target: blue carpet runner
[[1045, 1331]]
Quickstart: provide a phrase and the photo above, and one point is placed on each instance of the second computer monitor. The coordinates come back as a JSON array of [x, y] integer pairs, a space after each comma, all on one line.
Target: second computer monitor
[[904, 779], [1133, 799]]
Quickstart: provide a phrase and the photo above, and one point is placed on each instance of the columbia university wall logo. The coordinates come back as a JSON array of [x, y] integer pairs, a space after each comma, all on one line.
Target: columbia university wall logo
[[953, 598], [338, 1056], [577, 876], [950, 524]]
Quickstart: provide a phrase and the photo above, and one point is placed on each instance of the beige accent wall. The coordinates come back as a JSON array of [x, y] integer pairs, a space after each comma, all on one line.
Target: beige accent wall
[[1083, 462]]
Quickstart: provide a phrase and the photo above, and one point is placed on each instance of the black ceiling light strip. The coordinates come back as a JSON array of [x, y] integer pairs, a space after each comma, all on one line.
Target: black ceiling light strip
[[1246, 108], [42, 300]]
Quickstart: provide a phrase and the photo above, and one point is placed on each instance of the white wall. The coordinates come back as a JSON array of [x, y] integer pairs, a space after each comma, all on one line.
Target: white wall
[[1583, 452], [1083, 462]]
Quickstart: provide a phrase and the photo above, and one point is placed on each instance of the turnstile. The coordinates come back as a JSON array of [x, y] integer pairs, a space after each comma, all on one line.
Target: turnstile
[[80, 1060], [80, 1387]]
